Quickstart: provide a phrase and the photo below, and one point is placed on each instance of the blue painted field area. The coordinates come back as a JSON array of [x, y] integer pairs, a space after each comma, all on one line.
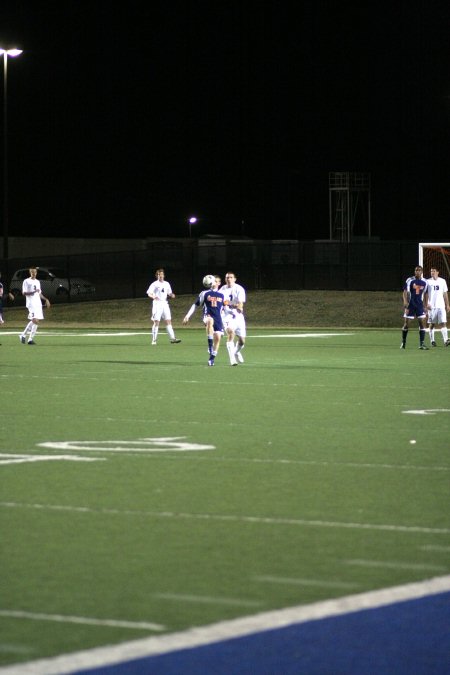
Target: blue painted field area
[[410, 638]]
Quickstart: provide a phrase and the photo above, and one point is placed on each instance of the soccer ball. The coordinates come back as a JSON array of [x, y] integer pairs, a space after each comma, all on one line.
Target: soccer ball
[[209, 281]]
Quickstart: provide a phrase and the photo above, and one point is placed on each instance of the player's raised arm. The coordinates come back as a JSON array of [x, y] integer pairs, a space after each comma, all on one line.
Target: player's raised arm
[[190, 313]]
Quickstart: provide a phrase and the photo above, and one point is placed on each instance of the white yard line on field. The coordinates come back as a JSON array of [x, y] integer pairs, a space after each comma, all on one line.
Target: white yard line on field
[[228, 630], [228, 518], [207, 599], [9, 458], [298, 581], [309, 462], [84, 620], [394, 564]]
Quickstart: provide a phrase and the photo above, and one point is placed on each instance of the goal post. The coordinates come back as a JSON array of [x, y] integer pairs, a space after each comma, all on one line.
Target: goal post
[[435, 255]]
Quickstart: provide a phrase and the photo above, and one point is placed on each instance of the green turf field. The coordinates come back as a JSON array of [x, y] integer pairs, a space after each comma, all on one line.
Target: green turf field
[[143, 492]]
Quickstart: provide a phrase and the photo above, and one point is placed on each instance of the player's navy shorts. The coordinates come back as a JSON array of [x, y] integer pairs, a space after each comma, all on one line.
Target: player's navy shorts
[[415, 311], [217, 323]]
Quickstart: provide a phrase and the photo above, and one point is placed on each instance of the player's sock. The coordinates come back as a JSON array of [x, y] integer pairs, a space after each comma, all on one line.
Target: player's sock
[[210, 343], [230, 348], [237, 352], [431, 331], [154, 333], [421, 335], [444, 332], [32, 332], [169, 329], [404, 336], [28, 328]]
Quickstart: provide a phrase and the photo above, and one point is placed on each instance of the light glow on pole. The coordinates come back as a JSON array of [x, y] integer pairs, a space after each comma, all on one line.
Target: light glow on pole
[[192, 221], [6, 52]]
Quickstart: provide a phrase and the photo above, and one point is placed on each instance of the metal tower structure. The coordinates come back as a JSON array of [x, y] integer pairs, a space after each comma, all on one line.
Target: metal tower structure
[[349, 202]]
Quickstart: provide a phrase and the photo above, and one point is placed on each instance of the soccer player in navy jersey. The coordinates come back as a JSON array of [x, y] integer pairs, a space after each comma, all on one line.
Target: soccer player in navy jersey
[[211, 301], [414, 296]]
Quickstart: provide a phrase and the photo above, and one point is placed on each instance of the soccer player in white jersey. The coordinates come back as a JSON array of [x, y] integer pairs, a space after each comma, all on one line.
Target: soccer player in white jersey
[[233, 317], [438, 306], [31, 289], [160, 291]]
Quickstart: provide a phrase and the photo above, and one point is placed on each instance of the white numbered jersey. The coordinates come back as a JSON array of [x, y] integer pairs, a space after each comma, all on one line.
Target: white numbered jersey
[[436, 289], [32, 286], [233, 295], [160, 289]]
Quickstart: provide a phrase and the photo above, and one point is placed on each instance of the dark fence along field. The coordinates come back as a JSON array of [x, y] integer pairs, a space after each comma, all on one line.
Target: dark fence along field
[[259, 265]]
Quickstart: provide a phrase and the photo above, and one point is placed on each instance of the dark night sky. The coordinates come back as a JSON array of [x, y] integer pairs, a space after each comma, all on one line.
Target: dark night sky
[[123, 121]]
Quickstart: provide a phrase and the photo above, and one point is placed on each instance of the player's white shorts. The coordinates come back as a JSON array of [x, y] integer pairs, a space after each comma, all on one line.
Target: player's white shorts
[[437, 315], [35, 309], [236, 323], [161, 310]]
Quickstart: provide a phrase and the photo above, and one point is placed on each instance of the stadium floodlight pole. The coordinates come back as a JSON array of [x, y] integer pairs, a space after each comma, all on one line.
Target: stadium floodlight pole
[[192, 220], [6, 53]]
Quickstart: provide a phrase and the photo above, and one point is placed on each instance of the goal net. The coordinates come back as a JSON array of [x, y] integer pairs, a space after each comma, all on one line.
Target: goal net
[[435, 255]]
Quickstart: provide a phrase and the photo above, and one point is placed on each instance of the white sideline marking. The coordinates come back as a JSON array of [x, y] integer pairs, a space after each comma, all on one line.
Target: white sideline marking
[[429, 411], [298, 581], [6, 458], [303, 335], [207, 599], [228, 630], [62, 618], [394, 565], [434, 547], [261, 520], [166, 444], [76, 333]]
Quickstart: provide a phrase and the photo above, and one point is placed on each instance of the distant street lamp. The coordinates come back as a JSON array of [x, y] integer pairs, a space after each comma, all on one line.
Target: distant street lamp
[[6, 53], [192, 221]]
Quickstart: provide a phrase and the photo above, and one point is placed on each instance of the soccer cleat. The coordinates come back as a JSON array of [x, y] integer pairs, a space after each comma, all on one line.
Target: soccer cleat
[[31, 342], [402, 346], [211, 362], [154, 342], [22, 339], [433, 344], [239, 357], [175, 341], [424, 347], [447, 343]]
